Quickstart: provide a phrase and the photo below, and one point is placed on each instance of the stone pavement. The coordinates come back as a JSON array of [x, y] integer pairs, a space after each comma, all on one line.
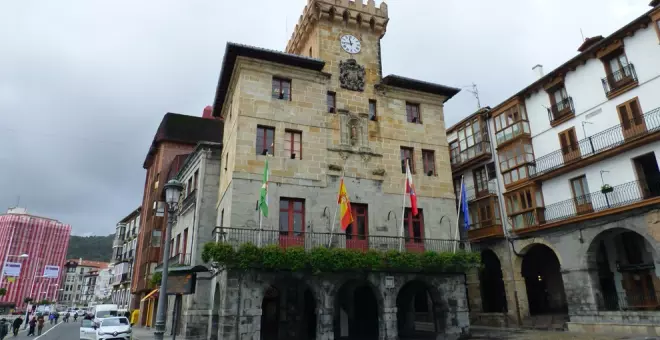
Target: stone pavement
[[483, 333]]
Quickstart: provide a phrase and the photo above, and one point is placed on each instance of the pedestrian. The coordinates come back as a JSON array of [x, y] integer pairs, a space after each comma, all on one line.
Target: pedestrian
[[66, 317], [16, 325], [40, 324], [57, 317], [33, 325], [51, 318], [4, 328]]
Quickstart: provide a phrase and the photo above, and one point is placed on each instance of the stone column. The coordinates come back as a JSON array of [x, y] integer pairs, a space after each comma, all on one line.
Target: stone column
[[325, 315], [388, 329], [196, 312], [582, 291], [474, 292]]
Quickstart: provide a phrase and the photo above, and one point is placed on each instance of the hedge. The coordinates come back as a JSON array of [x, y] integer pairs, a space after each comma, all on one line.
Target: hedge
[[328, 260]]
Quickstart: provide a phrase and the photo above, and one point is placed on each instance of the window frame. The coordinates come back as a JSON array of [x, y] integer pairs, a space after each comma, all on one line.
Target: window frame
[[429, 162], [354, 233], [373, 104], [408, 220], [518, 118], [280, 81], [480, 178], [533, 205], [411, 110], [461, 148], [265, 129], [406, 150], [331, 101], [634, 117], [291, 134], [527, 163], [290, 209]]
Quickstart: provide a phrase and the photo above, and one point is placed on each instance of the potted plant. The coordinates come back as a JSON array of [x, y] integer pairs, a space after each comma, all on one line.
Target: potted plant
[[606, 188]]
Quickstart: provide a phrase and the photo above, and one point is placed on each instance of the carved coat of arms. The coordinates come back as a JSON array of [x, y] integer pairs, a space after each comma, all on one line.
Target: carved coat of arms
[[351, 75]]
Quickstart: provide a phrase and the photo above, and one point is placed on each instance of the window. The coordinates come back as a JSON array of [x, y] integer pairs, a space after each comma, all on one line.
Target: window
[[156, 238], [568, 142], [428, 156], [359, 229], [516, 162], [580, 190], [631, 117], [510, 124], [178, 244], [293, 144], [281, 89], [372, 110], [560, 103], [185, 241], [189, 187], [407, 155], [470, 141], [331, 101], [265, 140], [521, 206], [480, 180], [490, 170], [292, 216], [412, 113], [413, 226], [196, 180]]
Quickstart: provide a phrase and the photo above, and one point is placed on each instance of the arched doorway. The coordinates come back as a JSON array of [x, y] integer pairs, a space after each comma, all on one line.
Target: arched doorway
[[627, 278], [416, 312], [543, 280], [356, 312], [493, 296], [288, 311]]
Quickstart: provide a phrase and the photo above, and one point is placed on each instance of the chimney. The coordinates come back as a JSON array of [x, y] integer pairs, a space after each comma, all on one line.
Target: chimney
[[208, 112], [538, 69]]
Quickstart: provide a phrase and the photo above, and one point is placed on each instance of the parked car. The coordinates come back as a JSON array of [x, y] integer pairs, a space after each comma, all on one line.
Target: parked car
[[116, 328], [87, 330]]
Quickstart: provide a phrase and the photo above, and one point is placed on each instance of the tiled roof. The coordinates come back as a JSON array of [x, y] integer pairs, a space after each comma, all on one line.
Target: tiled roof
[[87, 263]]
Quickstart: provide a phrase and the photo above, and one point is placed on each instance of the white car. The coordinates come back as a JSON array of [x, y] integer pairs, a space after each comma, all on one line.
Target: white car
[[116, 328], [87, 330]]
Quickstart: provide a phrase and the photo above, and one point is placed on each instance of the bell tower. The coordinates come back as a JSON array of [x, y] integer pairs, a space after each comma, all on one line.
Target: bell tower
[[346, 35]]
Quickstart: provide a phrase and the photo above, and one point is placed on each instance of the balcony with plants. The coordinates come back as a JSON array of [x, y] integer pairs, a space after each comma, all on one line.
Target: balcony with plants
[[273, 250]]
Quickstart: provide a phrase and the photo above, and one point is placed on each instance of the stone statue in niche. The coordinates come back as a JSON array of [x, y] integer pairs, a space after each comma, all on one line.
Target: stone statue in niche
[[351, 75], [354, 134]]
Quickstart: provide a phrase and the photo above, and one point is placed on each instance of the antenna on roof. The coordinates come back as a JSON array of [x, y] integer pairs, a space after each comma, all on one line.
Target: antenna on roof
[[475, 92], [582, 34]]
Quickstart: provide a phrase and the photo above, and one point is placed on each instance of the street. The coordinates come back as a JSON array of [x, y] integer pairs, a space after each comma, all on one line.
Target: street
[[61, 331]]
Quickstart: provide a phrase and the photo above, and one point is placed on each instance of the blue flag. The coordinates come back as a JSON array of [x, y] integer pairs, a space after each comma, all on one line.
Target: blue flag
[[464, 207]]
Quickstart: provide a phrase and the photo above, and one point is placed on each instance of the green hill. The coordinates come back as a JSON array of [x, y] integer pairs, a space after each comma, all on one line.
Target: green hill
[[93, 248]]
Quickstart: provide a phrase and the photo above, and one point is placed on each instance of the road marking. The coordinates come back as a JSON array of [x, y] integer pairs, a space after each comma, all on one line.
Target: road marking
[[46, 332]]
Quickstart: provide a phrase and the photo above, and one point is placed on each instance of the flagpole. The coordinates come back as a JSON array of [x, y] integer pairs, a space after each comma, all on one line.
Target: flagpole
[[334, 218], [403, 212], [260, 229], [458, 213]]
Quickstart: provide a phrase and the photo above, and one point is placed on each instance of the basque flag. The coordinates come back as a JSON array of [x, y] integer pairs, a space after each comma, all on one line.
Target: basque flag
[[410, 189]]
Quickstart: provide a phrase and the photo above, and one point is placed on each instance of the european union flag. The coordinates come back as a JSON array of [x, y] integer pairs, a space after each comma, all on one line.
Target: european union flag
[[464, 206]]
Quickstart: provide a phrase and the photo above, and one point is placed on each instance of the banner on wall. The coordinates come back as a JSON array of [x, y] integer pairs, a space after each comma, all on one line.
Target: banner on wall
[[52, 271], [12, 269]]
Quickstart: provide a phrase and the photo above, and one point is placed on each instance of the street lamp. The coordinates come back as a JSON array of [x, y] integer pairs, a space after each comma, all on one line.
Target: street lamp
[[173, 190]]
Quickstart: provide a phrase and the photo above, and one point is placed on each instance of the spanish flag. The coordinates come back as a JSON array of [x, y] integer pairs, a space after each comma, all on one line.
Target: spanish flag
[[346, 217]]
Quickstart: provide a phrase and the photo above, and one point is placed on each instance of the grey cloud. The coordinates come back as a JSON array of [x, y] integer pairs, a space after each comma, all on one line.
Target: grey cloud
[[84, 84]]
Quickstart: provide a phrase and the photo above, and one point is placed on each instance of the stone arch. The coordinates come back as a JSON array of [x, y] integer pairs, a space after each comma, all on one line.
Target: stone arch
[[420, 310], [517, 260], [295, 297], [491, 282], [358, 307], [621, 262], [541, 271]]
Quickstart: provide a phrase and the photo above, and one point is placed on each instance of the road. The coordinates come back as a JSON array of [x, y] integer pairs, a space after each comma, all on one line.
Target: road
[[61, 331]]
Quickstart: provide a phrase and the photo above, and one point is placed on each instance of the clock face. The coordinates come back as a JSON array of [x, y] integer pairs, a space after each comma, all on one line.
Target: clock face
[[350, 44]]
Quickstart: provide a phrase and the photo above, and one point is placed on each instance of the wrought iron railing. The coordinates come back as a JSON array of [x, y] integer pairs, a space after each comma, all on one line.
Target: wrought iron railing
[[561, 109], [618, 79], [629, 301], [310, 240], [600, 142], [620, 195], [461, 156], [489, 189]]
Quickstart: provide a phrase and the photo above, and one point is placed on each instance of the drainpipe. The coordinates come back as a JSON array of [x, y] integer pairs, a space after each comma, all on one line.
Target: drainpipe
[[509, 244]]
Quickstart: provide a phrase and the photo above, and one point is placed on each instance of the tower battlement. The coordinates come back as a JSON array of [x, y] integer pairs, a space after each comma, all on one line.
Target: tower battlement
[[363, 14]]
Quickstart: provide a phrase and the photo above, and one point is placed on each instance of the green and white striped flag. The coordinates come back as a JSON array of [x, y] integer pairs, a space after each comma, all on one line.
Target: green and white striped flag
[[263, 199]]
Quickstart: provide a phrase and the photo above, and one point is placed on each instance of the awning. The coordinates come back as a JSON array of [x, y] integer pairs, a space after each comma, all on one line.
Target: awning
[[150, 295]]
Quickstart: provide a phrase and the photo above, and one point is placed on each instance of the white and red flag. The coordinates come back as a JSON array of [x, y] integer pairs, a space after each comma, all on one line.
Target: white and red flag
[[410, 189]]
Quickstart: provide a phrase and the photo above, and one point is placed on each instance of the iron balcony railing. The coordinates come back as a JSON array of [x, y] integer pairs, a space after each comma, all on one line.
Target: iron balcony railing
[[600, 142], [310, 240], [620, 195], [561, 109], [474, 192], [462, 156], [618, 79]]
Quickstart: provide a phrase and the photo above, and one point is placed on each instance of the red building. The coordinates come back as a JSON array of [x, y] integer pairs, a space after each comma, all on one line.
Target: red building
[[45, 242]]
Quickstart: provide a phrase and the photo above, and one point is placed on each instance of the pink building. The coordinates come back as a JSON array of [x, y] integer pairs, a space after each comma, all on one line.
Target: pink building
[[37, 275]]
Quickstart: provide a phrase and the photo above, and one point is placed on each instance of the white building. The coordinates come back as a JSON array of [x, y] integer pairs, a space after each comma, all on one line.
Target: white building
[[576, 156], [78, 282], [123, 257]]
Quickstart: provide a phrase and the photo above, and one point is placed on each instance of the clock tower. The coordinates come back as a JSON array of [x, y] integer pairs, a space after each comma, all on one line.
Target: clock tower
[[346, 35]]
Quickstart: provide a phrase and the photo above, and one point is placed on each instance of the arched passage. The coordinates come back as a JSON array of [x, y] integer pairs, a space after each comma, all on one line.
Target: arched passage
[[416, 312], [356, 312], [543, 281], [288, 312], [493, 296], [627, 279]]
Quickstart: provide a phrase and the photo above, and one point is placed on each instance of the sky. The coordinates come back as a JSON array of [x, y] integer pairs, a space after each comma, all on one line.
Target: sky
[[84, 84]]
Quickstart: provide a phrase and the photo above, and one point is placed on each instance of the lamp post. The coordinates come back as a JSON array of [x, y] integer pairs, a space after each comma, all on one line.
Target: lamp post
[[173, 190]]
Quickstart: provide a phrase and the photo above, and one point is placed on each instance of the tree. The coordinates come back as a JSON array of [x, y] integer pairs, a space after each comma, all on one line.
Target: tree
[[3, 291], [28, 300]]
